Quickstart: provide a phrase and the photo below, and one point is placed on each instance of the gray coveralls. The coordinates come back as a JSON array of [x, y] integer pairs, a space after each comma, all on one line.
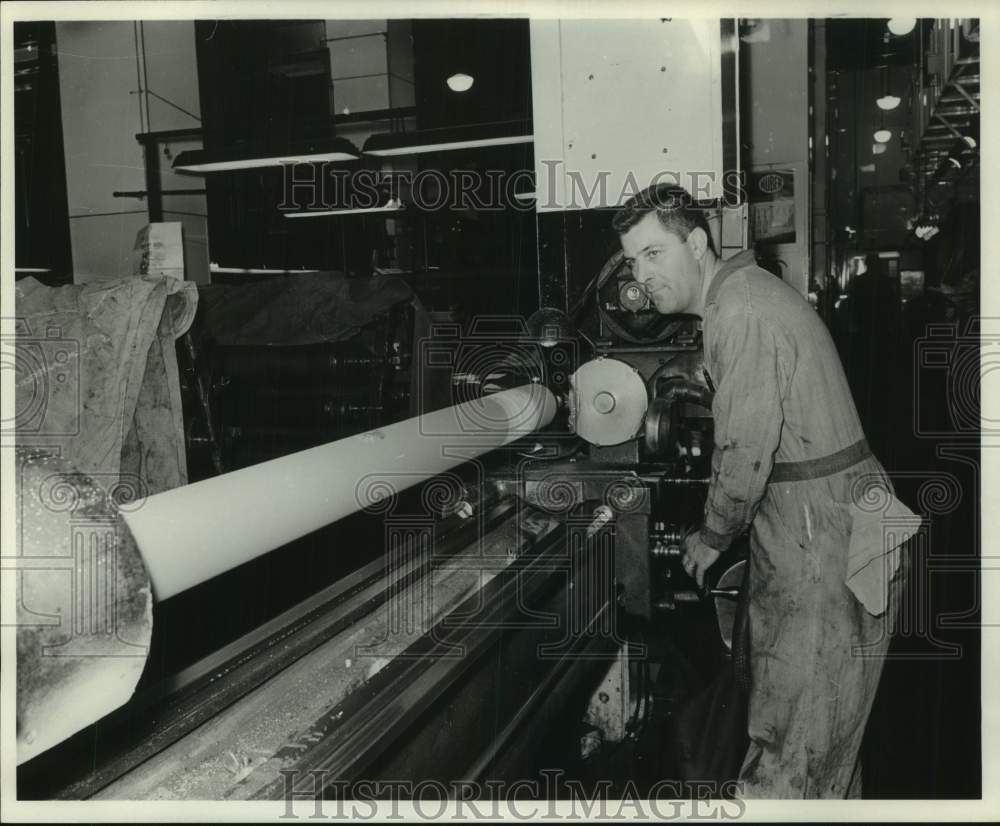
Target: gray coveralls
[[790, 461]]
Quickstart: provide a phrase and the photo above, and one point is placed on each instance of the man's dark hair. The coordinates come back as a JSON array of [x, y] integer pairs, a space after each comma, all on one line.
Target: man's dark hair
[[673, 205]]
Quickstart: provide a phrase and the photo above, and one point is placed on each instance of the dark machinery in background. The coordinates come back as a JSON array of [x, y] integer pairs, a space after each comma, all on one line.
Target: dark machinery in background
[[246, 404], [270, 401]]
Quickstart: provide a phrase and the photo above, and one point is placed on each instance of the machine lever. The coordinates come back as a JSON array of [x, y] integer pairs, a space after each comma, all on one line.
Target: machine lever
[[728, 593], [697, 595]]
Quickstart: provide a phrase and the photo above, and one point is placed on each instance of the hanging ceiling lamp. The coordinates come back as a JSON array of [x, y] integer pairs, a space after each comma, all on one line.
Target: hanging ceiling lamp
[[885, 103], [442, 140], [900, 26], [317, 151], [460, 82]]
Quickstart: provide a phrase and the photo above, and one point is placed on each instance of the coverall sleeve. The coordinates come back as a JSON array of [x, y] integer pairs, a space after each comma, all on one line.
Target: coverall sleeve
[[750, 384]]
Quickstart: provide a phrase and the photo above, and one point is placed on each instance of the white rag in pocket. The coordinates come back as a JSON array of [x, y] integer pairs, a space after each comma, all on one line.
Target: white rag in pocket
[[873, 554]]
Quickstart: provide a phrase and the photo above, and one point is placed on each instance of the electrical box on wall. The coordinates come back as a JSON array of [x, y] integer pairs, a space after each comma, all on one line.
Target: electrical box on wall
[[621, 104]]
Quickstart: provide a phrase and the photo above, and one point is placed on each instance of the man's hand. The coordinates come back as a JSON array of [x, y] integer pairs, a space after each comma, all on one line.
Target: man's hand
[[698, 557]]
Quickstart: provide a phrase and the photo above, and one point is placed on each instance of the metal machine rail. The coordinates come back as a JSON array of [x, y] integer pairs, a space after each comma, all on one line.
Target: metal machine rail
[[353, 736], [204, 689]]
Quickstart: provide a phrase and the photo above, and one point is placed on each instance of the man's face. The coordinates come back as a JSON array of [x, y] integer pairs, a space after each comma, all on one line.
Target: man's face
[[664, 264]]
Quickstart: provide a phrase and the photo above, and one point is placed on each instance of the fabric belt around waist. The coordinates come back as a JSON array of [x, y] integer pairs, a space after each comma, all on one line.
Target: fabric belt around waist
[[823, 466]]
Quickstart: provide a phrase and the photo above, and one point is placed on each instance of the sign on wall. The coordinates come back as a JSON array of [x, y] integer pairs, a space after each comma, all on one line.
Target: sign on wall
[[772, 206]]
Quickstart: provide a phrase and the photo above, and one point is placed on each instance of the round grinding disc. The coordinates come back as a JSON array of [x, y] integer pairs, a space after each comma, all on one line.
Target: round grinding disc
[[610, 401]]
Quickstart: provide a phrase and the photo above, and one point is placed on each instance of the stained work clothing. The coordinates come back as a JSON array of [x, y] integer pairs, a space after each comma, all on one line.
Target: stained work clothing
[[790, 462]]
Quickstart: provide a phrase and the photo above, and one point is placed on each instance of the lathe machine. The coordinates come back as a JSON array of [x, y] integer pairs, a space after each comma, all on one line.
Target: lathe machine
[[512, 540]]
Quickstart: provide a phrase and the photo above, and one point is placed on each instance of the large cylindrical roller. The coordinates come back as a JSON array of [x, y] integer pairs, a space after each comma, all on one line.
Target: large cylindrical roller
[[84, 595], [190, 534], [84, 607]]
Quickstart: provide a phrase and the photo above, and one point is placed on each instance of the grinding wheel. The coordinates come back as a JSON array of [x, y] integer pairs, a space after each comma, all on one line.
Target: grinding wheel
[[609, 401]]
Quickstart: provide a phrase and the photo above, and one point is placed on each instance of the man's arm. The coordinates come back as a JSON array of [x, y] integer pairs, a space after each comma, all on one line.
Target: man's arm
[[748, 420]]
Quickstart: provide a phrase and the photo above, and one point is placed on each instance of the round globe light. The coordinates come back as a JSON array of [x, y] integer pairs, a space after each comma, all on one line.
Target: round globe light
[[460, 82], [902, 25]]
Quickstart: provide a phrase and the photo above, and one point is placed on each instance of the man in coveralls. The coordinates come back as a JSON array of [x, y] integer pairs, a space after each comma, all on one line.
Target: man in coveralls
[[791, 464]]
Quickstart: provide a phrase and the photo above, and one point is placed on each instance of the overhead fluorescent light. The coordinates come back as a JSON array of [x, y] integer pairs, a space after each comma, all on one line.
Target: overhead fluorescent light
[[392, 206], [203, 160], [254, 271], [460, 82], [883, 135], [260, 163], [444, 140], [888, 102], [449, 146], [901, 25], [891, 254]]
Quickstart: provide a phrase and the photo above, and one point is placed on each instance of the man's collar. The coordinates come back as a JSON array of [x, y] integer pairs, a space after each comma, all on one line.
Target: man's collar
[[746, 258]]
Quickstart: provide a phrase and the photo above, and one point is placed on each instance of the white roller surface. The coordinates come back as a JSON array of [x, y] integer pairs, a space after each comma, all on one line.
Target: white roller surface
[[193, 533]]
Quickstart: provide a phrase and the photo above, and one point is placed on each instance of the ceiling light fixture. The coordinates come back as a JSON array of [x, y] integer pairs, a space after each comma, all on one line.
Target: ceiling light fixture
[[460, 82], [215, 268], [203, 160], [391, 206], [887, 102], [446, 139], [883, 135], [902, 25]]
